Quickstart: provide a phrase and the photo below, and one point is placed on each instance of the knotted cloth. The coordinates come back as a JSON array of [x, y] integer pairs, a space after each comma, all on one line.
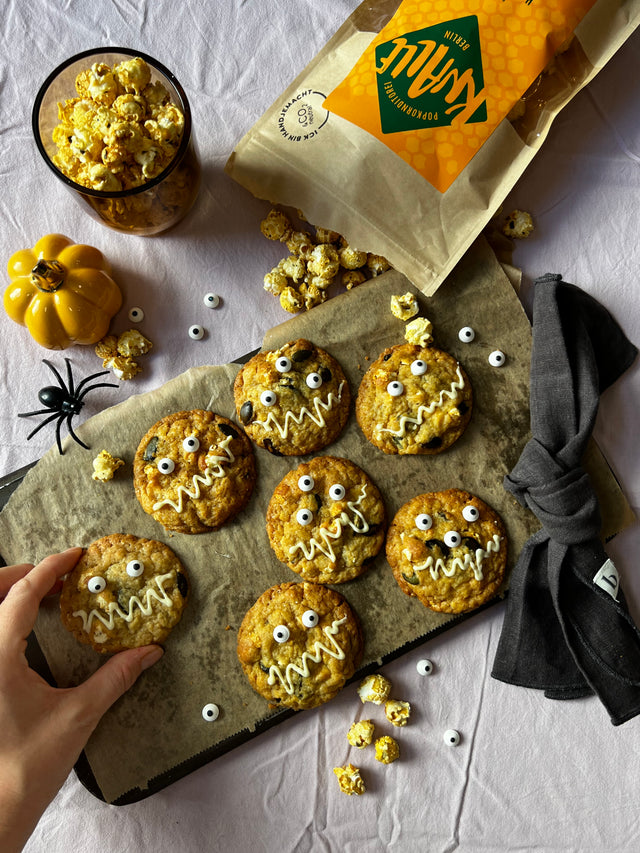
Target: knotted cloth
[[567, 629]]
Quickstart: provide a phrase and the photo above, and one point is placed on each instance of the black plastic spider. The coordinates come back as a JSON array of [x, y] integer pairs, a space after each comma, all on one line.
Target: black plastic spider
[[64, 401]]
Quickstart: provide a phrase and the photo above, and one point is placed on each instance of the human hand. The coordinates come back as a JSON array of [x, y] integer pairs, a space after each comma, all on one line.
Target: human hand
[[44, 729]]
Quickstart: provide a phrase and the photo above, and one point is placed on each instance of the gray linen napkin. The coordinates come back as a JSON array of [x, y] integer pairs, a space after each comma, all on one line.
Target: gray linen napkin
[[567, 629]]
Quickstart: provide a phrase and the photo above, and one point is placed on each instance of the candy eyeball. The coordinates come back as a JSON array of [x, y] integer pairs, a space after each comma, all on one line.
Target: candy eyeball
[[466, 334], [452, 538], [451, 737], [304, 517], [395, 388], [306, 483], [283, 364], [166, 465], [211, 300], [281, 634], [210, 712], [424, 667], [497, 358], [196, 333], [190, 444], [310, 618], [135, 568], [314, 380], [471, 513], [96, 584], [424, 521], [136, 315], [418, 367], [337, 492], [268, 398]]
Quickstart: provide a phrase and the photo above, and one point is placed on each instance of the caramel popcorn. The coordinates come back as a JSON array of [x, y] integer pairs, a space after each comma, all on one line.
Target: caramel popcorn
[[352, 259], [418, 332], [107, 347], [291, 300], [374, 688], [121, 131], [349, 779], [387, 749], [132, 343], [105, 465], [361, 733], [404, 307], [276, 226], [124, 368], [397, 712], [518, 224]]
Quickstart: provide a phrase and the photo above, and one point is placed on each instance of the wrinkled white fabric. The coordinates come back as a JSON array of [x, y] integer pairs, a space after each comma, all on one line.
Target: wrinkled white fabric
[[529, 774]]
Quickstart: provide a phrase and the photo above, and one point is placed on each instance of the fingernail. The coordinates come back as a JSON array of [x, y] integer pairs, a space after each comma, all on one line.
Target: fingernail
[[152, 656]]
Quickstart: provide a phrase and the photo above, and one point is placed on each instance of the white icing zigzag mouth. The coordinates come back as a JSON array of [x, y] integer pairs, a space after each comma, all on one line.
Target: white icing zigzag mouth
[[114, 609], [213, 471], [315, 656], [449, 567], [359, 524], [423, 411], [319, 405]]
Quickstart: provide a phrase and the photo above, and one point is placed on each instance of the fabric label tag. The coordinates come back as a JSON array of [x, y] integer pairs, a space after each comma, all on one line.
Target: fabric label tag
[[607, 578]]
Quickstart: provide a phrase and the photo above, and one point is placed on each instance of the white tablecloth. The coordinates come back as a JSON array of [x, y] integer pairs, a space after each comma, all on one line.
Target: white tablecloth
[[529, 773]]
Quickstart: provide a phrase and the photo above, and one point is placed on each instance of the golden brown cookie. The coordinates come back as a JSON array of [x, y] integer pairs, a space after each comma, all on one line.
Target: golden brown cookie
[[299, 644], [449, 549], [414, 399], [124, 592], [294, 400], [193, 471], [326, 520]]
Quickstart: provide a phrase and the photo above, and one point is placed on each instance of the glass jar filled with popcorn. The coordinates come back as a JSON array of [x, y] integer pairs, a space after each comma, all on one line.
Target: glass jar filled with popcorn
[[114, 125]]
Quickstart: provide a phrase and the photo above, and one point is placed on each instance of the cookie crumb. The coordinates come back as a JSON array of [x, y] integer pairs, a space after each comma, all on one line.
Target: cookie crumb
[[349, 779], [105, 465], [387, 750], [397, 712], [374, 688], [361, 733]]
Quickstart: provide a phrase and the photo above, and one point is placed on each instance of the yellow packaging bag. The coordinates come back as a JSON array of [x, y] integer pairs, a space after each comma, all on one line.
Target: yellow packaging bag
[[440, 77]]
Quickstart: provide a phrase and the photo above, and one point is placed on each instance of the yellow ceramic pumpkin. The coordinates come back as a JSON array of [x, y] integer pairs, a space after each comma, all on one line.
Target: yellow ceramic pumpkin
[[62, 292]]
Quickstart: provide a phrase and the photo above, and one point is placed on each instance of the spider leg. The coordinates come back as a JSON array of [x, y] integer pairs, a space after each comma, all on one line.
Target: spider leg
[[69, 377], [72, 433], [43, 424], [53, 369], [81, 396], [88, 379], [39, 412]]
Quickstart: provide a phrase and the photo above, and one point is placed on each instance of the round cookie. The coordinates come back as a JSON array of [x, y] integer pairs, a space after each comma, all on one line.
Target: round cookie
[[294, 400], [299, 644], [448, 549], [326, 520], [414, 399], [124, 592], [193, 471]]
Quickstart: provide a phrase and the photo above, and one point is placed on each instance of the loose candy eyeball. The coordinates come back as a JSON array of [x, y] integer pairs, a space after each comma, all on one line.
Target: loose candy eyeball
[[466, 334], [211, 300], [424, 667], [451, 737], [196, 333], [497, 358], [136, 315], [210, 712]]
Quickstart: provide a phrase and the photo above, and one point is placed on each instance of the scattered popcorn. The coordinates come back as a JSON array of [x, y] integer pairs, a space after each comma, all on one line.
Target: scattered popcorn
[[387, 749], [107, 347], [275, 281], [352, 278], [324, 235], [132, 343], [361, 733], [276, 226], [377, 264], [404, 307], [374, 688], [324, 261], [124, 368], [300, 243], [352, 259], [418, 332], [312, 294], [294, 267], [117, 352], [291, 300], [518, 224], [349, 779], [105, 466], [397, 712]]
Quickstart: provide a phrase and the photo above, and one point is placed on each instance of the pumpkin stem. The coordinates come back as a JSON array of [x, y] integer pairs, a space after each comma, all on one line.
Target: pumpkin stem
[[48, 276]]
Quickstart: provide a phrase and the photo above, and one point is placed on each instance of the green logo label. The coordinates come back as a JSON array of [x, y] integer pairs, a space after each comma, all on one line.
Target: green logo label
[[431, 77]]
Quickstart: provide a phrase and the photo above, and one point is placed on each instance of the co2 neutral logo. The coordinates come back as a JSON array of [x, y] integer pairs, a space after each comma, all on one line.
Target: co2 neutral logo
[[302, 116]]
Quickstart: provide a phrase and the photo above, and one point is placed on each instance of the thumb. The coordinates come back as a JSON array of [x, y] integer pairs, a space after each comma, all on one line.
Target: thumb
[[113, 679]]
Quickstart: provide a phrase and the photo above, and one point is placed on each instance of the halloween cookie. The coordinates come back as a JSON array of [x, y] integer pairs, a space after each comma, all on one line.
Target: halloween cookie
[[326, 520], [299, 644], [193, 471], [414, 399], [294, 400], [124, 592], [448, 549]]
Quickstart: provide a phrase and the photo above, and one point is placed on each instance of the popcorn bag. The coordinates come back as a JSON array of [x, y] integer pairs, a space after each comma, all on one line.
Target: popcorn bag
[[409, 128]]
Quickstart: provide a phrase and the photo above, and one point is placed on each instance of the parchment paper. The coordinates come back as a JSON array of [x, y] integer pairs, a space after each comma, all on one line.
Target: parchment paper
[[156, 733]]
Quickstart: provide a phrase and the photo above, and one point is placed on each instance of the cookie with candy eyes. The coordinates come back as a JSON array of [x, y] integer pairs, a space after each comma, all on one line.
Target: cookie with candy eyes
[[294, 400], [124, 592], [193, 471], [326, 520], [299, 644], [448, 549], [414, 399]]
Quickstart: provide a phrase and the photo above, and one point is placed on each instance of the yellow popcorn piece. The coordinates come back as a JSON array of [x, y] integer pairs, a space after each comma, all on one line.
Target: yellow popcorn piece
[[352, 278], [123, 367], [404, 307], [397, 712], [133, 343], [133, 75], [105, 465], [294, 267], [377, 264], [276, 225], [312, 295], [374, 688], [275, 281], [351, 259], [107, 347], [291, 300], [387, 750], [325, 235], [419, 331], [324, 261], [361, 733], [518, 224], [350, 780]]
